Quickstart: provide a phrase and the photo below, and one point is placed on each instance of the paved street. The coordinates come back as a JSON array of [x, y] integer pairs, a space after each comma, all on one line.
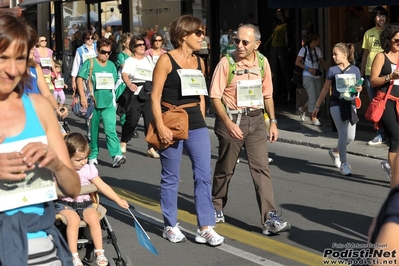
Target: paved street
[[322, 206]]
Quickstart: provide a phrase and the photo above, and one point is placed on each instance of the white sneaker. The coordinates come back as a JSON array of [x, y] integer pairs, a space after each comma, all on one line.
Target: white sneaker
[[93, 161], [345, 169], [173, 234], [238, 160], [376, 140], [118, 161], [209, 236], [275, 224], [335, 158], [270, 160], [302, 114], [316, 122]]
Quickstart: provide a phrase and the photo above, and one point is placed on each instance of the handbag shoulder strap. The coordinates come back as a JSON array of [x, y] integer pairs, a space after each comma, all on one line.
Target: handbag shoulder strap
[[89, 80], [390, 84], [172, 106]]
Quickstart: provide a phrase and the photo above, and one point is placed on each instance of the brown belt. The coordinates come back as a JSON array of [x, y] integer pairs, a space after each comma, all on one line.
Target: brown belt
[[247, 112]]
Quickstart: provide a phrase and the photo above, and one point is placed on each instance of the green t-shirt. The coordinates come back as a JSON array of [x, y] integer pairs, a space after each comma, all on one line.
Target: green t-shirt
[[104, 97], [371, 42], [120, 60]]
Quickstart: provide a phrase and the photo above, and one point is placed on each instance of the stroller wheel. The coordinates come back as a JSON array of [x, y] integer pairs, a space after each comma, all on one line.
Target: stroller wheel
[[125, 261]]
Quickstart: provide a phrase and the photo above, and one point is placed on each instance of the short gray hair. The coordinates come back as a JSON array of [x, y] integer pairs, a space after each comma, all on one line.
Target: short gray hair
[[255, 28]]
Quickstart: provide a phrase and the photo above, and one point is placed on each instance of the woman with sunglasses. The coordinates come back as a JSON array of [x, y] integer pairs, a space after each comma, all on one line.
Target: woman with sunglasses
[[101, 75], [384, 71], [137, 75], [156, 49], [44, 58], [86, 51], [173, 83]]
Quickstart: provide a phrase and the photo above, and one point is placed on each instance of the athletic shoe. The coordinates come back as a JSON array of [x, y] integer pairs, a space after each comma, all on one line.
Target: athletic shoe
[[377, 140], [93, 161], [302, 114], [345, 169], [209, 236], [270, 160], [387, 168], [219, 216], [118, 161], [275, 224], [335, 158], [316, 122], [173, 234]]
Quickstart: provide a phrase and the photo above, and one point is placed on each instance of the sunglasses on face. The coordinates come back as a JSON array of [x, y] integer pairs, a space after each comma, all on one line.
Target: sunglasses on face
[[139, 44], [90, 38], [199, 33], [43, 41], [158, 40], [395, 40], [105, 52], [244, 42]]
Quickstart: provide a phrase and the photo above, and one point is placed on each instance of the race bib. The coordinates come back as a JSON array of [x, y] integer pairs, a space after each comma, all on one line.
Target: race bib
[[105, 81], [88, 55], [38, 186], [204, 45], [59, 83], [143, 74], [344, 81], [46, 62], [396, 81], [192, 82], [249, 93]]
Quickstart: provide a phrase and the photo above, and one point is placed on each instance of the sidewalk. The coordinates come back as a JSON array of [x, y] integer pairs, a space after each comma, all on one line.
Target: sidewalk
[[293, 130]]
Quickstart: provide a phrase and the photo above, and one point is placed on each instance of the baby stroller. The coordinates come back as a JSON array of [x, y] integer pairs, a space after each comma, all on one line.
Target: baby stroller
[[85, 243]]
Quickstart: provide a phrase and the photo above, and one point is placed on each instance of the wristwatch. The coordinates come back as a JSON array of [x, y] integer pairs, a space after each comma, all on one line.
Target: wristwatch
[[273, 120], [387, 78]]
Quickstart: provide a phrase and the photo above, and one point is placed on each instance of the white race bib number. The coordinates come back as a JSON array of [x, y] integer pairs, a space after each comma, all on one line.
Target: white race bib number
[[88, 55], [59, 83], [105, 81], [143, 74], [192, 82], [344, 81], [46, 62], [249, 93]]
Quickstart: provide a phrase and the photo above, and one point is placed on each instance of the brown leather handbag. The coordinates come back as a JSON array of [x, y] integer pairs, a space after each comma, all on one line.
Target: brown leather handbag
[[176, 119]]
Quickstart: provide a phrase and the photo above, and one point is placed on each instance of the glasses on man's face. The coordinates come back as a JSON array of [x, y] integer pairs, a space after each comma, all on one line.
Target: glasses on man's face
[[90, 38], [244, 42], [199, 33], [158, 40], [43, 40], [139, 44], [105, 52]]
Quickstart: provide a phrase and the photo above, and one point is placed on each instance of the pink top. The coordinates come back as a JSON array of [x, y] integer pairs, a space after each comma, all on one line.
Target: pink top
[[46, 69], [86, 174]]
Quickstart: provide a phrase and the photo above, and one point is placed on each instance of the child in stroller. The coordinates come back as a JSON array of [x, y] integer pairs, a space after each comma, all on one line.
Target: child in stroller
[[82, 207]]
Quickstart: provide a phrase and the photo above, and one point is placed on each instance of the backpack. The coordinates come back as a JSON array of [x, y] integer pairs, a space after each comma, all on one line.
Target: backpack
[[233, 66]]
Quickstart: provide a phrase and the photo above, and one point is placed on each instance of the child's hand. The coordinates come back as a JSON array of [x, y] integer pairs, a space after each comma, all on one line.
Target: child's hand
[[123, 203], [65, 86]]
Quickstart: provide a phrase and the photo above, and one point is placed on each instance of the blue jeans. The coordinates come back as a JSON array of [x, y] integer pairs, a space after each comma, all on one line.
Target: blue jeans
[[371, 93], [198, 148]]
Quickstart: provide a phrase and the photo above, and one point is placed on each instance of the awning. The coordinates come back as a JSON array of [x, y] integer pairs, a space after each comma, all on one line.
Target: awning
[[275, 4], [27, 3]]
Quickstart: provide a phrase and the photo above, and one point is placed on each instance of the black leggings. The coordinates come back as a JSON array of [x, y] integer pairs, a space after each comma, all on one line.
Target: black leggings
[[391, 125]]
